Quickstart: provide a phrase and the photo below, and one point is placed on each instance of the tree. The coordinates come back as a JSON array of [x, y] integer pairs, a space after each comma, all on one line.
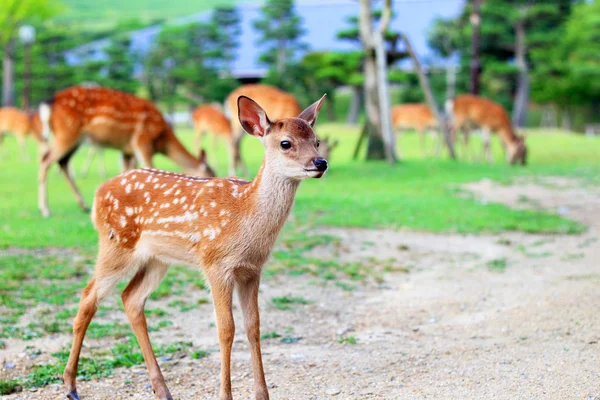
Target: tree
[[227, 27], [281, 30], [13, 13], [118, 68]]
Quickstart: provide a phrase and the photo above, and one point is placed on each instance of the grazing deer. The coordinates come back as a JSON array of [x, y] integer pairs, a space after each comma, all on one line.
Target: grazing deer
[[210, 119], [148, 219], [108, 118], [21, 124], [277, 103], [490, 117], [415, 116]]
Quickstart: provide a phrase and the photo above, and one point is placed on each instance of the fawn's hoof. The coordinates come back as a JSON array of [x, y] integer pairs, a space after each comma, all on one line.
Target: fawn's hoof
[[73, 396]]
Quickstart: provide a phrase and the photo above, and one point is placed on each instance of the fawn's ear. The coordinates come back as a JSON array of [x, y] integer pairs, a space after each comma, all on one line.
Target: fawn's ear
[[312, 112], [202, 156], [253, 118]]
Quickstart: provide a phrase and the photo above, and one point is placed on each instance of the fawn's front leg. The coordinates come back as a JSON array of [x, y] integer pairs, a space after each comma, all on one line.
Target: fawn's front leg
[[248, 295], [222, 293]]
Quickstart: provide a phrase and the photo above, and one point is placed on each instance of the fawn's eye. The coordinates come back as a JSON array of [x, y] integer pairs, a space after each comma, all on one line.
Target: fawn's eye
[[285, 144]]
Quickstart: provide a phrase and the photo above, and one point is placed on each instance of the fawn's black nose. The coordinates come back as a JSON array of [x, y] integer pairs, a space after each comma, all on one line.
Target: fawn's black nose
[[320, 164]]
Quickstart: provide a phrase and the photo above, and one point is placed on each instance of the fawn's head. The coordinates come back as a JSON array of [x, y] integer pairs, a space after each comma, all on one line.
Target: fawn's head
[[517, 152], [291, 145]]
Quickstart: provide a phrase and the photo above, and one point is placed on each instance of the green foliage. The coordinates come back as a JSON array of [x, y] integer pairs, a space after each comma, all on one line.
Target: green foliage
[[281, 30], [8, 386], [286, 303], [14, 13]]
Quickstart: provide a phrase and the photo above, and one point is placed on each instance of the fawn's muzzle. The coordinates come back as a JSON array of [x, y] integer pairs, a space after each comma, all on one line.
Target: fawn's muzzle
[[320, 164]]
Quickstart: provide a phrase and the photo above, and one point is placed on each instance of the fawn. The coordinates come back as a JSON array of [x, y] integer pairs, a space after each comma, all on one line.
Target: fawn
[[490, 117], [415, 116], [148, 219], [108, 118], [210, 119]]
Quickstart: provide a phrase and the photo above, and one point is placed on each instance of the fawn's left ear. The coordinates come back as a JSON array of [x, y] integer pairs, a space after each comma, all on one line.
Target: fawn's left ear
[[312, 112]]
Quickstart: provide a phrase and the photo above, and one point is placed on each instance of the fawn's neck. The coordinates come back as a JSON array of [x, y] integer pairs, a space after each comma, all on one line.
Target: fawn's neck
[[176, 152], [273, 197]]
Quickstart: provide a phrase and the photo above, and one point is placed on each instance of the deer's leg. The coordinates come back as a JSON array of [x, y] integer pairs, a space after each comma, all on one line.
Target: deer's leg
[[101, 162], [127, 162], [110, 268], [248, 295], [23, 146], [232, 156], [486, 139], [55, 152], [222, 293], [134, 298], [63, 162], [143, 150]]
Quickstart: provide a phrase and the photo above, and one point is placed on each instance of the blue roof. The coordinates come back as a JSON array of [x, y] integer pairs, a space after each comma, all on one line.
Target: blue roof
[[321, 20]]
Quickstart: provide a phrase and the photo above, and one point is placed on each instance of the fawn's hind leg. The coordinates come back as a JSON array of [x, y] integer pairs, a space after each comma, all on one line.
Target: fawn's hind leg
[[111, 266], [134, 298]]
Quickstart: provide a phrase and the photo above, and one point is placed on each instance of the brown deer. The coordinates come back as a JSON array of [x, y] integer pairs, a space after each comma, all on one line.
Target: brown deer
[[21, 124], [277, 103], [148, 219], [415, 116], [490, 117], [326, 147], [108, 118], [210, 119]]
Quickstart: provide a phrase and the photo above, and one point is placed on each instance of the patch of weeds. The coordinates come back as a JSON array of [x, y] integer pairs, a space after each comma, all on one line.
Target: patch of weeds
[[164, 324], [572, 257], [156, 312], [2, 344], [497, 265], [270, 335], [174, 347], [286, 303], [587, 242], [290, 339], [198, 354], [345, 286], [403, 247], [66, 313], [347, 340], [504, 242], [176, 303], [9, 386], [523, 250], [99, 330], [203, 300]]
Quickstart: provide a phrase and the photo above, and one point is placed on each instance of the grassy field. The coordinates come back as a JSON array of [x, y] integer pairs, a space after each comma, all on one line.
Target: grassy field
[[39, 289], [418, 193]]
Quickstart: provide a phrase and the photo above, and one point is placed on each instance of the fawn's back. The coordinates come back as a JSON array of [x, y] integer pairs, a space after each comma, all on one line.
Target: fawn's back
[[483, 112]]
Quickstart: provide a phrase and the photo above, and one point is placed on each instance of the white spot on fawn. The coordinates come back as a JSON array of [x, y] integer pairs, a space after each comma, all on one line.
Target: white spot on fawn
[[116, 204], [123, 182], [123, 221], [129, 211], [128, 188], [213, 204]]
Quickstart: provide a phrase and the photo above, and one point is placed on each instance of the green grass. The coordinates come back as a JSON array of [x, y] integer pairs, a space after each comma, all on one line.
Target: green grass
[[104, 13], [417, 193], [287, 303]]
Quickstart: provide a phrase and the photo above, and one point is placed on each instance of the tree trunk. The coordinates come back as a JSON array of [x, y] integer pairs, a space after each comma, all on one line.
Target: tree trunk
[[387, 132], [377, 149], [475, 63], [375, 146], [8, 74], [355, 103], [519, 117], [426, 87], [450, 81]]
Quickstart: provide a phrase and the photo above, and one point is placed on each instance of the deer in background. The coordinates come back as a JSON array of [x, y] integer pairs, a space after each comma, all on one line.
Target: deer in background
[[210, 119], [490, 117], [21, 124], [326, 147], [277, 103], [148, 219], [113, 119], [415, 116]]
